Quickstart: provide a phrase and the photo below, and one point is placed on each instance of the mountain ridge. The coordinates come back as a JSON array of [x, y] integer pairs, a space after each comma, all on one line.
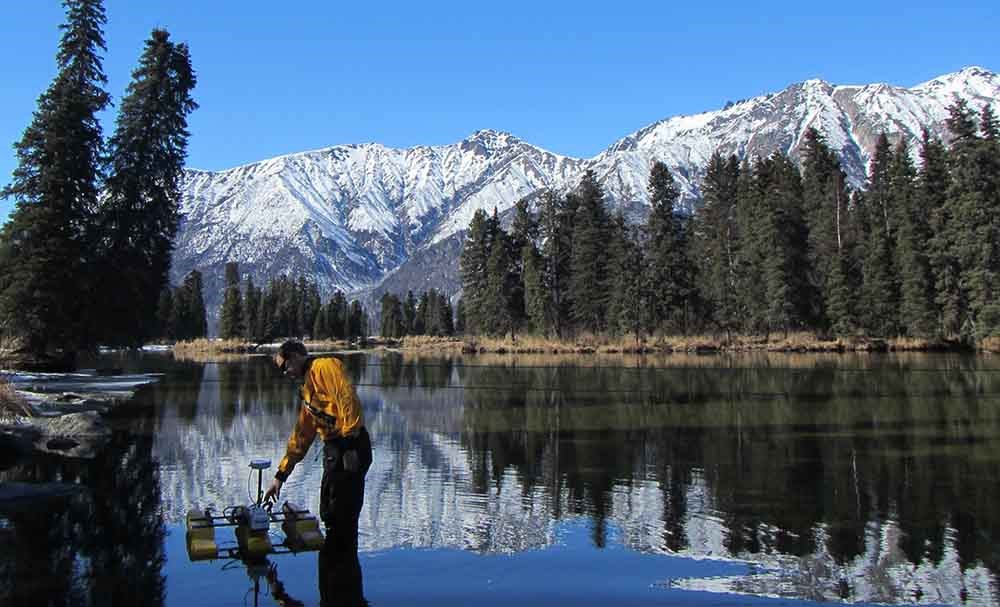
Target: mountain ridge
[[352, 214]]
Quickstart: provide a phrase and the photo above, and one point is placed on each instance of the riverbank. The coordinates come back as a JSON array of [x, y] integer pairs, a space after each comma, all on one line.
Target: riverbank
[[591, 344]]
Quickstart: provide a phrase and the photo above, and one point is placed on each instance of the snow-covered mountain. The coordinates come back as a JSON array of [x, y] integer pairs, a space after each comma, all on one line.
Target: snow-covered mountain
[[351, 215]]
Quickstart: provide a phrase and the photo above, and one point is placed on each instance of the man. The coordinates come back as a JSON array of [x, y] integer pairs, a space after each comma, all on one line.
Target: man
[[331, 409]]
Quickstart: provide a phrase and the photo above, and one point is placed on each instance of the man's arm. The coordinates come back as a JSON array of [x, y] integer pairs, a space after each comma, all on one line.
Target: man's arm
[[298, 445]]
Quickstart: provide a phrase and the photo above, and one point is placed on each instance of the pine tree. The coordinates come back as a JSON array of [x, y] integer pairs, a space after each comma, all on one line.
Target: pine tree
[[524, 232], [164, 310], [628, 309], [555, 231], [716, 241], [825, 205], [473, 266], [536, 297], [460, 317], [588, 282], [916, 311], [986, 299], [138, 218], [880, 299], [252, 307], [231, 324], [410, 315], [420, 326], [497, 308], [781, 244], [670, 272], [933, 184], [44, 279]]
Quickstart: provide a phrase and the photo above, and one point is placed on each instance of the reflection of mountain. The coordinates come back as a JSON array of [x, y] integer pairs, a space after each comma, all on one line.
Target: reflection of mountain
[[871, 484]]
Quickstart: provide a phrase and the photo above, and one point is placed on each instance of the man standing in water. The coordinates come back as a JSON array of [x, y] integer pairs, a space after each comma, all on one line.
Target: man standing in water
[[330, 408]]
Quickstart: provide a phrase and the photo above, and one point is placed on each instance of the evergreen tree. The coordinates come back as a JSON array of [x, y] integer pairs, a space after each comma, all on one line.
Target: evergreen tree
[[716, 242], [164, 311], [826, 295], [916, 310], [420, 324], [252, 307], [670, 273], [231, 324], [781, 244], [588, 282], [536, 297], [497, 314], [44, 276], [460, 317], [879, 295], [524, 232], [473, 267], [629, 308], [392, 324], [933, 184], [138, 219], [555, 230], [410, 315]]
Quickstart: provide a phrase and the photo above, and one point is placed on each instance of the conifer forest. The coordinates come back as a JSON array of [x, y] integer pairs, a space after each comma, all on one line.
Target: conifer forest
[[773, 247]]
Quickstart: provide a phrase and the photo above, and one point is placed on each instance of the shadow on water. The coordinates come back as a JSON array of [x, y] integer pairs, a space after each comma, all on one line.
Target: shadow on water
[[868, 479], [104, 546]]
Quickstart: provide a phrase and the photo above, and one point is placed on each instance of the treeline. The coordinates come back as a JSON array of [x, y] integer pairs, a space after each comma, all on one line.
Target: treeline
[[287, 307], [180, 312], [86, 252], [773, 248], [432, 315]]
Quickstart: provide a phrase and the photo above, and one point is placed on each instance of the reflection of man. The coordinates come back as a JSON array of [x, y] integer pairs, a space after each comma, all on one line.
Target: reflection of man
[[330, 408], [340, 579]]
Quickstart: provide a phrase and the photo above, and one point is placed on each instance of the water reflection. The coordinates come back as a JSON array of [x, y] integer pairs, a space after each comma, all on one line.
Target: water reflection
[[863, 478], [102, 547]]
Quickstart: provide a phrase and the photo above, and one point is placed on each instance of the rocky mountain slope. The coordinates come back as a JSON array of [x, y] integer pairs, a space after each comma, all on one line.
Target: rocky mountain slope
[[353, 215]]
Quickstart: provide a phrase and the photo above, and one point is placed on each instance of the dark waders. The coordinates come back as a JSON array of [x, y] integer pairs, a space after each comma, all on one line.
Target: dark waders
[[345, 463]]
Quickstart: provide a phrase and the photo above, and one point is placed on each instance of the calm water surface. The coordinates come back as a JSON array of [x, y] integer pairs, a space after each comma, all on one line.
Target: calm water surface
[[539, 480]]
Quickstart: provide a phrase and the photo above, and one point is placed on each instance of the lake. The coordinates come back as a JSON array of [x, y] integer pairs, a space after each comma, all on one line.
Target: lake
[[540, 480]]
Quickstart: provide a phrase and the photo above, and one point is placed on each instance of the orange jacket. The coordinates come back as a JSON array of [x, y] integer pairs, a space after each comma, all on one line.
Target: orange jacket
[[330, 407]]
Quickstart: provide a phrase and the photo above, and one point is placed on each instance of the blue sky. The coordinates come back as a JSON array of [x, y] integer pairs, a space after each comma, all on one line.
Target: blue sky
[[571, 77]]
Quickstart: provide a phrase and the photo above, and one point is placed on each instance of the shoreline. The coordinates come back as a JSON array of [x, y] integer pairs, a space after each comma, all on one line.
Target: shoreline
[[207, 350]]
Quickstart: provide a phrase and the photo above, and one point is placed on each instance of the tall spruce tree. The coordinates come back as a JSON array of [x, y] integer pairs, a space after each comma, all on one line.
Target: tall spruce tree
[[251, 306], [670, 272], [231, 325], [139, 215], [44, 269], [555, 231], [916, 309], [825, 205], [967, 213], [879, 293], [715, 241], [523, 232], [782, 244], [536, 297], [497, 308], [473, 267], [588, 283]]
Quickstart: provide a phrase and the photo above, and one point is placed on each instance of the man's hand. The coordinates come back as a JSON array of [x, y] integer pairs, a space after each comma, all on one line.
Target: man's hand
[[272, 493]]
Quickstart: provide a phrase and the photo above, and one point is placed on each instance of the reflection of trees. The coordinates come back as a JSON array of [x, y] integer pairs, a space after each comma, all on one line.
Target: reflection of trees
[[106, 548], [781, 450]]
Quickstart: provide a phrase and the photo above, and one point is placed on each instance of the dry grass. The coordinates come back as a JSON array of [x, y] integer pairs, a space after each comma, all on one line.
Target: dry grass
[[801, 341], [212, 350], [430, 343], [12, 407]]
